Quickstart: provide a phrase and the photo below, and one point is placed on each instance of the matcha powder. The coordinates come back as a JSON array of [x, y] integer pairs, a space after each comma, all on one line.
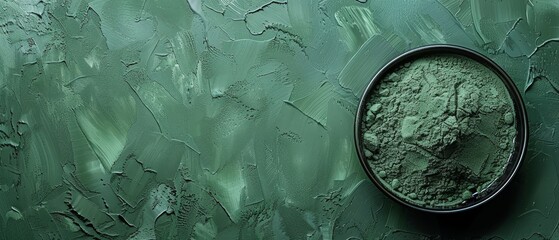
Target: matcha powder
[[439, 130]]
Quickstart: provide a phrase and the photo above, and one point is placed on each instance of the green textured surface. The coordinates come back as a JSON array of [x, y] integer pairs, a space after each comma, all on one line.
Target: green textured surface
[[234, 119]]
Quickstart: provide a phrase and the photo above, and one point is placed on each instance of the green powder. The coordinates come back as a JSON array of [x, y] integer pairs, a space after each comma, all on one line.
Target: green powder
[[439, 130]]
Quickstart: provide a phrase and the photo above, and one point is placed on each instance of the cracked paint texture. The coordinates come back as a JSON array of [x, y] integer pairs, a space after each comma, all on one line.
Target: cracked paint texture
[[189, 119]]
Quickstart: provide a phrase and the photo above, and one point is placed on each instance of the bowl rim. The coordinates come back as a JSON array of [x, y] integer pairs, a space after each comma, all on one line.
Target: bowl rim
[[520, 141]]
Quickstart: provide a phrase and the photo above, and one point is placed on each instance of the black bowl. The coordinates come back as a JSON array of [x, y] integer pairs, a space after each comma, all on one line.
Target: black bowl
[[520, 140]]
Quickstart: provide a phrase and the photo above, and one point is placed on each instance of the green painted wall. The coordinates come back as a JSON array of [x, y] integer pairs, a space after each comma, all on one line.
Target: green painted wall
[[224, 119]]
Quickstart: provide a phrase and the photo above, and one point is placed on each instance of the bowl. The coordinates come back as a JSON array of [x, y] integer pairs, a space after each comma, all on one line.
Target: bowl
[[519, 142]]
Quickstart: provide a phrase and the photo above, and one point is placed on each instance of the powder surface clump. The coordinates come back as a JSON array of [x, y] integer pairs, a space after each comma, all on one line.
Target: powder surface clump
[[438, 131]]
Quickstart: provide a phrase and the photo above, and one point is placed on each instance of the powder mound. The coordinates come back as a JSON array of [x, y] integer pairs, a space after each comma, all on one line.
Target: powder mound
[[439, 130]]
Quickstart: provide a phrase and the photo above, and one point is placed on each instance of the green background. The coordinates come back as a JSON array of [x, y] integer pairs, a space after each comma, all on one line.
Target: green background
[[233, 119]]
